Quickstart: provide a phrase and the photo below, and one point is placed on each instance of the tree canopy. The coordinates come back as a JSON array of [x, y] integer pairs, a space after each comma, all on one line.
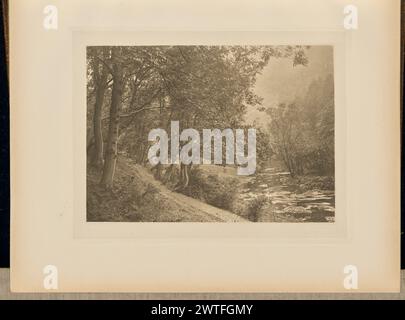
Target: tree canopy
[[133, 89]]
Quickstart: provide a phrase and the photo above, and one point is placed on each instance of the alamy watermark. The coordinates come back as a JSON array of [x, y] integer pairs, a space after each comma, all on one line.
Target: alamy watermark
[[50, 21], [350, 281], [50, 273], [189, 151]]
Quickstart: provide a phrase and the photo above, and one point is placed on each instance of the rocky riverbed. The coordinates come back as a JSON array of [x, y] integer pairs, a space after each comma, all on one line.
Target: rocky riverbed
[[283, 198]]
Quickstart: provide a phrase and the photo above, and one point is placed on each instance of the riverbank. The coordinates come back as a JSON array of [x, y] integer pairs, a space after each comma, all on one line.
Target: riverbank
[[138, 197]]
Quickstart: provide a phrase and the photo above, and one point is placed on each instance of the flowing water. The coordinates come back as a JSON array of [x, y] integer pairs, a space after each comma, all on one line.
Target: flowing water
[[287, 201]]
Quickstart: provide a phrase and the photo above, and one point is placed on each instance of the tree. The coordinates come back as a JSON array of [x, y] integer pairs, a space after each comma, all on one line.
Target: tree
[[99, 76], [199, 86], [302, 132], [112, 138]]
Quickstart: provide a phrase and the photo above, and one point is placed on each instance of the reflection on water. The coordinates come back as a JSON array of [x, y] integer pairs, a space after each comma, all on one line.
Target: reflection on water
[[288, 202]]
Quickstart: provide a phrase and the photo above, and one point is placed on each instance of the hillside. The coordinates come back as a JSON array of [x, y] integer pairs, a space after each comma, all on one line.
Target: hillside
[[138, 197]]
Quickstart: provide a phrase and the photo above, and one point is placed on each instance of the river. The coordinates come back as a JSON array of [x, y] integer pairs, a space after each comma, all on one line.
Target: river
[[287, 202]]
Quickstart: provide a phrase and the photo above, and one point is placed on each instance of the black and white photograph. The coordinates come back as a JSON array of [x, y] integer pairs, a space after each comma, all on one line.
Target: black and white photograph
[[210, 133], [214, 150]]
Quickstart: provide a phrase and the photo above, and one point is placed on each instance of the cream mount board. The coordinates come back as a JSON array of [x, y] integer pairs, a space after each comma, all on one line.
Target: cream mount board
[[347, 239]]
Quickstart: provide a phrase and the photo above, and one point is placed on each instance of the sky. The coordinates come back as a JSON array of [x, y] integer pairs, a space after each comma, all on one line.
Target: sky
[[280, 81]]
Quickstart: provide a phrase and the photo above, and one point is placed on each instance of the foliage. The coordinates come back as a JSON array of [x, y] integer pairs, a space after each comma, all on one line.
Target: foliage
[[200, 86], [255, 206], [302, 132], [212, 189]]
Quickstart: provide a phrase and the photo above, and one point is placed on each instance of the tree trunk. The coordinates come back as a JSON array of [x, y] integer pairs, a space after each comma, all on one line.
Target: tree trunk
[[98, 155], [157, 171], [112, 139], [184, 177]]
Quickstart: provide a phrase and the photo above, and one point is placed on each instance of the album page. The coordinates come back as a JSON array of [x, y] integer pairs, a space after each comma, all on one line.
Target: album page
[[205, 146]]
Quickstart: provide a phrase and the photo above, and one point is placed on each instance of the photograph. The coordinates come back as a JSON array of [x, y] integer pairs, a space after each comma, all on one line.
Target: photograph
[[202, 150], [210, 133]]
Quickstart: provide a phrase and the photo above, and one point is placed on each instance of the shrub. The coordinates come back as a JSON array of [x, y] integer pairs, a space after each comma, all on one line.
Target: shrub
[[215, 190], [255, 206]]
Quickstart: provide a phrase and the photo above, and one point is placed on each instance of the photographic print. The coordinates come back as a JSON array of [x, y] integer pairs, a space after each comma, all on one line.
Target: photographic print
[[191, 148], [210, 134]]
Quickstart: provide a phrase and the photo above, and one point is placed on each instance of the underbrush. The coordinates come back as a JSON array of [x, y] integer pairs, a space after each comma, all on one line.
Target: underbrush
[[255, 207], [222, 191], [218, 191], [126, 201]]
